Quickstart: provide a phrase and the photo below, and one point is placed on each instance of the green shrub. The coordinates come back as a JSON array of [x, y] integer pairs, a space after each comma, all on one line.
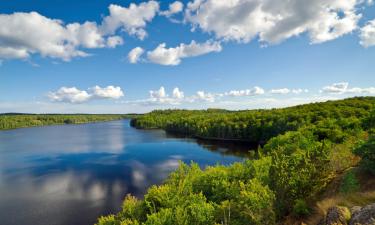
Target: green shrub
[[300, 168], [301, 208], [349, 183], [108, 220], [367, 153]]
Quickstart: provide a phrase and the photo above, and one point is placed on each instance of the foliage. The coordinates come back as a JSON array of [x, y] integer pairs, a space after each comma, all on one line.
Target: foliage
[[300, 167], [303, 148], [367, 152], [301, 208], [211, 196], [12, 121], [108, 220], [349, 183], [329, 120]]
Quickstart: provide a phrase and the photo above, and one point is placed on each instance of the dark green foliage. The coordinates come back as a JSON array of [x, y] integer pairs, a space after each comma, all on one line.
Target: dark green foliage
[[349, 183], [30, 120], [301, 208], [330, 120], [367, 152]]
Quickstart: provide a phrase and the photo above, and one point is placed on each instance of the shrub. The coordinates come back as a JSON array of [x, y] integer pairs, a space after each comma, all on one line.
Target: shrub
[[300, 168], [349, 183], [108, 220], [367, 152], [301, 208]]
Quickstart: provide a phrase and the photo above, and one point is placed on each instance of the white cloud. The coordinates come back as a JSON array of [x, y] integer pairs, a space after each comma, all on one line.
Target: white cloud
[[367, 34], [274, 21], [25, 34], [280, 91], [299, 91], [336, 88], [159, 93], [172, 56], [177, 93], [114, 41], [133, 19], [161, 97], [343, 88], [74, 95], [201, 95], [135, 54], [86, 35], [287, 91], [247, 92], [174, 8], [107, 92]]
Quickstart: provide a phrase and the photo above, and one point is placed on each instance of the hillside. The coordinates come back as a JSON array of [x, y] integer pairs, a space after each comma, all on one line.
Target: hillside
[[304, 149]]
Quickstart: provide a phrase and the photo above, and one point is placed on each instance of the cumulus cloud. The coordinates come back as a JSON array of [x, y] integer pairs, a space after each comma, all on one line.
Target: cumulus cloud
[[299, 91], [287, 91], [135, 54], [280, 91], [367, 34], [22, 34], [174, 8], [161, 97], [133, 19], [114, 41], [25, 34], [177, 97], [172, 56], [86, 35], [69, 94], [274, 21], [74, 95], [343, 88], [201, 95], [248, 92], [177, 93], [107, 92], [159, 93]]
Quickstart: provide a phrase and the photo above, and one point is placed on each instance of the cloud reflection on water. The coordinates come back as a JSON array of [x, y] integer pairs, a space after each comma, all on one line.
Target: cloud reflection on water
[[73, 174]]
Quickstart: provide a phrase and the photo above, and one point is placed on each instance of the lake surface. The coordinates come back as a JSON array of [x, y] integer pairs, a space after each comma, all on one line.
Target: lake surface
[[71, 174]]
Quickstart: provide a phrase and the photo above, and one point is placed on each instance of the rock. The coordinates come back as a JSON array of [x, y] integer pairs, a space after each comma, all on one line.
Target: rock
[[337, 216], [355, 209], [363, 216]]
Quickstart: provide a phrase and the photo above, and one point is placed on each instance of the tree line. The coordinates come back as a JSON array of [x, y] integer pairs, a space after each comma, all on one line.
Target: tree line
[[12, 121]]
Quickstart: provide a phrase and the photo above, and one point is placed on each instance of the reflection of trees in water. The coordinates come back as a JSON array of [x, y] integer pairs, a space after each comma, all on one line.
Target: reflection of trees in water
[[231, 148]]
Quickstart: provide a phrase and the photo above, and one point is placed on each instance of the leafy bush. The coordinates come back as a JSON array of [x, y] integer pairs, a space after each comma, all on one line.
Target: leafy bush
[[367, 152], [194, 196], [301, 208], [349, 183], [108, 220], [300, 167]]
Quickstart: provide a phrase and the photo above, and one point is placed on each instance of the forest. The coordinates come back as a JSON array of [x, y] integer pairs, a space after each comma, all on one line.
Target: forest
[[302, 149], [12, 121]]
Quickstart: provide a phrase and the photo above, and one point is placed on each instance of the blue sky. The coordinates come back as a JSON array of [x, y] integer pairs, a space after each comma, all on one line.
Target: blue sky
[[74, 56]]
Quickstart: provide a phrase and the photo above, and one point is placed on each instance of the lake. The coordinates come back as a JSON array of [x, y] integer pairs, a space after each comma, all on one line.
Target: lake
[[71, 174]]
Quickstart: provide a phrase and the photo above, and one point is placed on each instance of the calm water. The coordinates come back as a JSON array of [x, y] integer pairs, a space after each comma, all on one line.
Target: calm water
[[69, 175]]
